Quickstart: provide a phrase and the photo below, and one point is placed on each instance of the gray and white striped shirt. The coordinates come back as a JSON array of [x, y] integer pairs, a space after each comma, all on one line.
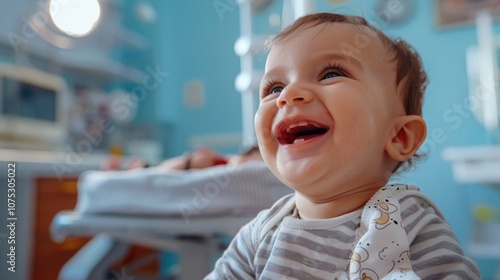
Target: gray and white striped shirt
[[279, 245]]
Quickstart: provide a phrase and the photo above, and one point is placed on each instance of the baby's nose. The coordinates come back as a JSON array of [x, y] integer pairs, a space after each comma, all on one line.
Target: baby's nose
[[294, 94]]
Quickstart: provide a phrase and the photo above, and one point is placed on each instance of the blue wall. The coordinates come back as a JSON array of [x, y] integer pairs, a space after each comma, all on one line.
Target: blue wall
[[193, 42]]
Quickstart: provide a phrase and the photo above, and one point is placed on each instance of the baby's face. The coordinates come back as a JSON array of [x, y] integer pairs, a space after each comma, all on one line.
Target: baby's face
[[328, 104]]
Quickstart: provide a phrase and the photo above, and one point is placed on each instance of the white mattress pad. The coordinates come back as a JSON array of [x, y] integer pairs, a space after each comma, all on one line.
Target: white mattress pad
[[221, 190]]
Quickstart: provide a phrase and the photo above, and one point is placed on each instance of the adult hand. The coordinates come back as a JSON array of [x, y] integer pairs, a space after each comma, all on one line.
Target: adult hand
[[205, 157], [115, 163]]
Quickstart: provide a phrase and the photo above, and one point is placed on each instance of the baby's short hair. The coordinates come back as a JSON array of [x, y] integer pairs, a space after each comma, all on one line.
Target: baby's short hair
[[409, 67]]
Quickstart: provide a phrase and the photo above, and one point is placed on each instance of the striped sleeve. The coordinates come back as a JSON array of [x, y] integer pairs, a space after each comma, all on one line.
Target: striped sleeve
[[434, 249], [237, 260]]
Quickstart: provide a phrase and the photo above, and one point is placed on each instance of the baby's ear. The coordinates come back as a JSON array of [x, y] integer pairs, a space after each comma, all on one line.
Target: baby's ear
[[408, 134]]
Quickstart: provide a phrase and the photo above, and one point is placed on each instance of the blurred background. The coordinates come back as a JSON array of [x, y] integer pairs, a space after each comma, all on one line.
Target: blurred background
[[154, 79]]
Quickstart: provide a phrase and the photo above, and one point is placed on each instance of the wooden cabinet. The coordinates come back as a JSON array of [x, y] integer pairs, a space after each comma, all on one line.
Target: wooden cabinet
[[52, 195]]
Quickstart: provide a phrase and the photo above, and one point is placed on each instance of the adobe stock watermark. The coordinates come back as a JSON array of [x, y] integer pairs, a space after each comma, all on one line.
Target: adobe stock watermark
[[203, 196], [121, 108], [223, 6], [392, 10], [121, 276], [457, 113], [381, 19], [31, 26]]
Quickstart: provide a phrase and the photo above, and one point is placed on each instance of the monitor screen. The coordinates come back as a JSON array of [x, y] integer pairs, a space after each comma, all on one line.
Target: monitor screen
[[31, 108], [25, 100]]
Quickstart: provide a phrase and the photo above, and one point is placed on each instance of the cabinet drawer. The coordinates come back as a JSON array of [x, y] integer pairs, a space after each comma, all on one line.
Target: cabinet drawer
[[52, 196], [56, 186]]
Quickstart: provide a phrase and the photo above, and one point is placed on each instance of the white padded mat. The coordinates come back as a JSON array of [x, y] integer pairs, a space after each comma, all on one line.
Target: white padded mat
[[221, 190]]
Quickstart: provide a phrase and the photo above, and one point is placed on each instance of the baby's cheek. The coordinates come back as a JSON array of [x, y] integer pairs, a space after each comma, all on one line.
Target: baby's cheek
[[265, 137], [263, 127]]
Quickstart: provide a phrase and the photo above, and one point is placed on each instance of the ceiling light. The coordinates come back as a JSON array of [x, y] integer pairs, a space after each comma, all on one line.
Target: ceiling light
[[75, 17]]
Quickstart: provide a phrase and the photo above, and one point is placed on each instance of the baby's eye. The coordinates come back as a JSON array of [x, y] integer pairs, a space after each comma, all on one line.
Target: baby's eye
[[271, 87], [332, 70], [270, 90], [276, 90], [332, 74]]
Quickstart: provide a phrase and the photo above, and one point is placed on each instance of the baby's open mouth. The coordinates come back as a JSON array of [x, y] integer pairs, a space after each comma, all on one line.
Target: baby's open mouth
[[297, 132]]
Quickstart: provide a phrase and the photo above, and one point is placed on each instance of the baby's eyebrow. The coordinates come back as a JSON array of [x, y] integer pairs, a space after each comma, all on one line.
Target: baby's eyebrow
[[338, 56], [271, 73], [318, 56]]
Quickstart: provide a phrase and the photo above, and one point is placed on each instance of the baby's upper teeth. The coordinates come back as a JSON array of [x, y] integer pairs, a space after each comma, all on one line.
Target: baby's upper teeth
[[292, 125]]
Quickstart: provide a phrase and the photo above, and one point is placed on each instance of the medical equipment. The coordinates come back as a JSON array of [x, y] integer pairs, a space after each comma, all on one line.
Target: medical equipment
[[185, 211], [31, 108], [197, 242]]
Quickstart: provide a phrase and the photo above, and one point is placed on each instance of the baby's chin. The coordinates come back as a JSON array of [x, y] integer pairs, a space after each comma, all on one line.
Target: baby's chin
[[298, 173]]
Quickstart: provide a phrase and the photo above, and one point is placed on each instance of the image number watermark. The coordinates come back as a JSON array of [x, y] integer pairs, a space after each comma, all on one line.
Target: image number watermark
[[11, 216]]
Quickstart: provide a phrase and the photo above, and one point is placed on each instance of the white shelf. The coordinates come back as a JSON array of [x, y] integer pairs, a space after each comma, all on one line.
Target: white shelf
[[100, 66], [51, 162], [93, 64], [472, 153], [89, 55], [480, 164]]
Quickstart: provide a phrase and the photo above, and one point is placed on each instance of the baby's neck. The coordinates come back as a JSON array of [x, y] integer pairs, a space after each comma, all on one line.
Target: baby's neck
[[334, 206]]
